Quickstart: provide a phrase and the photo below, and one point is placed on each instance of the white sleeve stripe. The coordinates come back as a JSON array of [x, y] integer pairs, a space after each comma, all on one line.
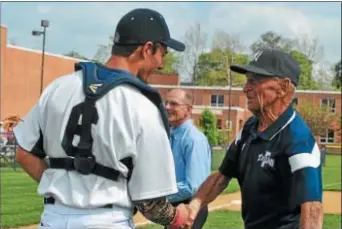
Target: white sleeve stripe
[[304, 160]]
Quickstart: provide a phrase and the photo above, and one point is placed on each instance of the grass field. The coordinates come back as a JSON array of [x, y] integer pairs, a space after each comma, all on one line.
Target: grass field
[[20, 204], [217, 158], [232, 219]]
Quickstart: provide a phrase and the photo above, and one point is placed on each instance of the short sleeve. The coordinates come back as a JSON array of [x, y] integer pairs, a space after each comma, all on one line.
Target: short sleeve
[[154, 171], [306, 178], [28, 133], [229, 165]]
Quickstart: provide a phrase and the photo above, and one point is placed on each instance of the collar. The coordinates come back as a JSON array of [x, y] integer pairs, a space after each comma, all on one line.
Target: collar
[[284, 119], [180, 129], [115, 71]]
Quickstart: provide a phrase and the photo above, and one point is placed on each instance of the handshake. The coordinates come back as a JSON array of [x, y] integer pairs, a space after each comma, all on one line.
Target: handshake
[[186, 215]]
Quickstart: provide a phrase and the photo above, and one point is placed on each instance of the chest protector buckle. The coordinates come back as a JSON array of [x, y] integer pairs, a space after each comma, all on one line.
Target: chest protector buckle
[[84, 164]]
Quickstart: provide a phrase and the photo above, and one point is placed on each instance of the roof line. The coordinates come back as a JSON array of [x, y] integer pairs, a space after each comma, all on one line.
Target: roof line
[[45, 53], [237, 88]]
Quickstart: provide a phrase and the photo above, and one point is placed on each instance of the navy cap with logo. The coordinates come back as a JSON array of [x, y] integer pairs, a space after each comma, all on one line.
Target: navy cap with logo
[[142, 25], [273, 63]]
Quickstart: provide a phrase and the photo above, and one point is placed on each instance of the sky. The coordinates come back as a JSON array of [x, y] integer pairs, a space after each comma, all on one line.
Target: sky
[[83, 26]]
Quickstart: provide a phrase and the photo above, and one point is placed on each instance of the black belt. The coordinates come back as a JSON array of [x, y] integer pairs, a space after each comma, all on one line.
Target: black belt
[[51, 200]]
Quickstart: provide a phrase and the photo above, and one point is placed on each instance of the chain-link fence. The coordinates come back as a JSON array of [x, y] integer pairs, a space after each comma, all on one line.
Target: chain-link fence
[[8, 147]]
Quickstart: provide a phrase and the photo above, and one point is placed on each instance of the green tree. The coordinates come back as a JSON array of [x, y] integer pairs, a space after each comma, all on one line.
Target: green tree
[[75, 54], [195, 42], [304, 49], [309, 46], [229, 45], [171, 59], [318, 118], [224, 137], [306, 81], [272, 40], [208, 126], [337, 81], [104, 51], [212, 68]]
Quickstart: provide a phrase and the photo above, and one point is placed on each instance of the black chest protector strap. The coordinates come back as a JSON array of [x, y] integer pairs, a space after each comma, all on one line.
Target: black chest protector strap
[[95, 87]]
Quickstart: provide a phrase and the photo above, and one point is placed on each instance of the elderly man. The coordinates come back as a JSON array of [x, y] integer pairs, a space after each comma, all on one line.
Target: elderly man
[[190, 149], [275, 157]]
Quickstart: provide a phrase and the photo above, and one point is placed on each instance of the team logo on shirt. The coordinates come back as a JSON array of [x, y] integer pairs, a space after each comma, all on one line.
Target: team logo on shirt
[[266, 159]]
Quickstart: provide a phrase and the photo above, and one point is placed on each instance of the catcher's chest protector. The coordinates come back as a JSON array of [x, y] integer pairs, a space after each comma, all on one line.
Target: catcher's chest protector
[[97, 81]]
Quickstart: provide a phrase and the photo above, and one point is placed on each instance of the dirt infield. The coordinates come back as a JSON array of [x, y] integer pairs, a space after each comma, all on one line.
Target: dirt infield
[[331, 203]]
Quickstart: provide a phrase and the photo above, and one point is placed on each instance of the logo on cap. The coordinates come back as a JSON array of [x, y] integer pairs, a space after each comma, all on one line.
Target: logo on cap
[[116, 37], [257, 55]]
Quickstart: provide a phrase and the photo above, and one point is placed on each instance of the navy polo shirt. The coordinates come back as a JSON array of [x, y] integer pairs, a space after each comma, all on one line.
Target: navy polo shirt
[[277, 170]]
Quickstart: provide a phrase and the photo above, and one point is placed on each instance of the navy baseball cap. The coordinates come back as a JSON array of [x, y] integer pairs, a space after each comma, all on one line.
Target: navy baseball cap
[[142, 25], [273, 63]]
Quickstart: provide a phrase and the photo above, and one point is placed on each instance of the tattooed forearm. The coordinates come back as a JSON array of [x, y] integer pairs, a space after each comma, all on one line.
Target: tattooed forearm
[[311, 215], [157, 210]]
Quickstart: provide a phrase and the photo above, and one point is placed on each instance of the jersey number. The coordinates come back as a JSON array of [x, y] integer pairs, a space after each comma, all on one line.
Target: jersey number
[[74, 127]]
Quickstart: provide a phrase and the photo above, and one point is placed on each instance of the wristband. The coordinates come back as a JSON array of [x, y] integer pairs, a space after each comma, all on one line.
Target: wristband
[[178, 221]]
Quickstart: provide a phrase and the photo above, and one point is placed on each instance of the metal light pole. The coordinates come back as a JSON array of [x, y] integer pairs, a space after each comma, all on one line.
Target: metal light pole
[[44, 24], [230, 95], [229, 76]]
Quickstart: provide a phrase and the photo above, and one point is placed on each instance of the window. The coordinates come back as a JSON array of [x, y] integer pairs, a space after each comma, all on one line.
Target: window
[[219, 124], [329, 103], [327, 137], [295, 101], [217, 100], [229, 124]]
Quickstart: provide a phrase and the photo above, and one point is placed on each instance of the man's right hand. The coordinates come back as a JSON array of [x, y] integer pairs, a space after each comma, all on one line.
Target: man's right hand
[[193, 208], [183, 210]]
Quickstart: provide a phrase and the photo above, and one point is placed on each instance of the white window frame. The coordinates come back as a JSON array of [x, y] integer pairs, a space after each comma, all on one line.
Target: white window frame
[[216, 104], [229, 125], [325, 138], [329, 101]]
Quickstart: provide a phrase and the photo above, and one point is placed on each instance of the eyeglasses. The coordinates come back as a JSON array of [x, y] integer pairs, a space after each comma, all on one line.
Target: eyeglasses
[[174, 104]]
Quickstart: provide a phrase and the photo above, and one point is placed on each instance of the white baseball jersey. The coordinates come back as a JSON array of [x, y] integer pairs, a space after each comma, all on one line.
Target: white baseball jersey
[[129, 125]]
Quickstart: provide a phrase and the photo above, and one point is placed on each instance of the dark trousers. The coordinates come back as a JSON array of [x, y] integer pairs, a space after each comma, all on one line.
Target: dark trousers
[[201, 216]]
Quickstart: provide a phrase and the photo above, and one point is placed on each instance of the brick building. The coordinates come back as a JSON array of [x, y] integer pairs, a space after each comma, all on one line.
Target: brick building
[[217, 100], [20, 89], [21, 74]]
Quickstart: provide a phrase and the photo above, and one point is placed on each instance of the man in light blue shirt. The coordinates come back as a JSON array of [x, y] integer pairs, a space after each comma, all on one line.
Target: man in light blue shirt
[[191, 151]]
